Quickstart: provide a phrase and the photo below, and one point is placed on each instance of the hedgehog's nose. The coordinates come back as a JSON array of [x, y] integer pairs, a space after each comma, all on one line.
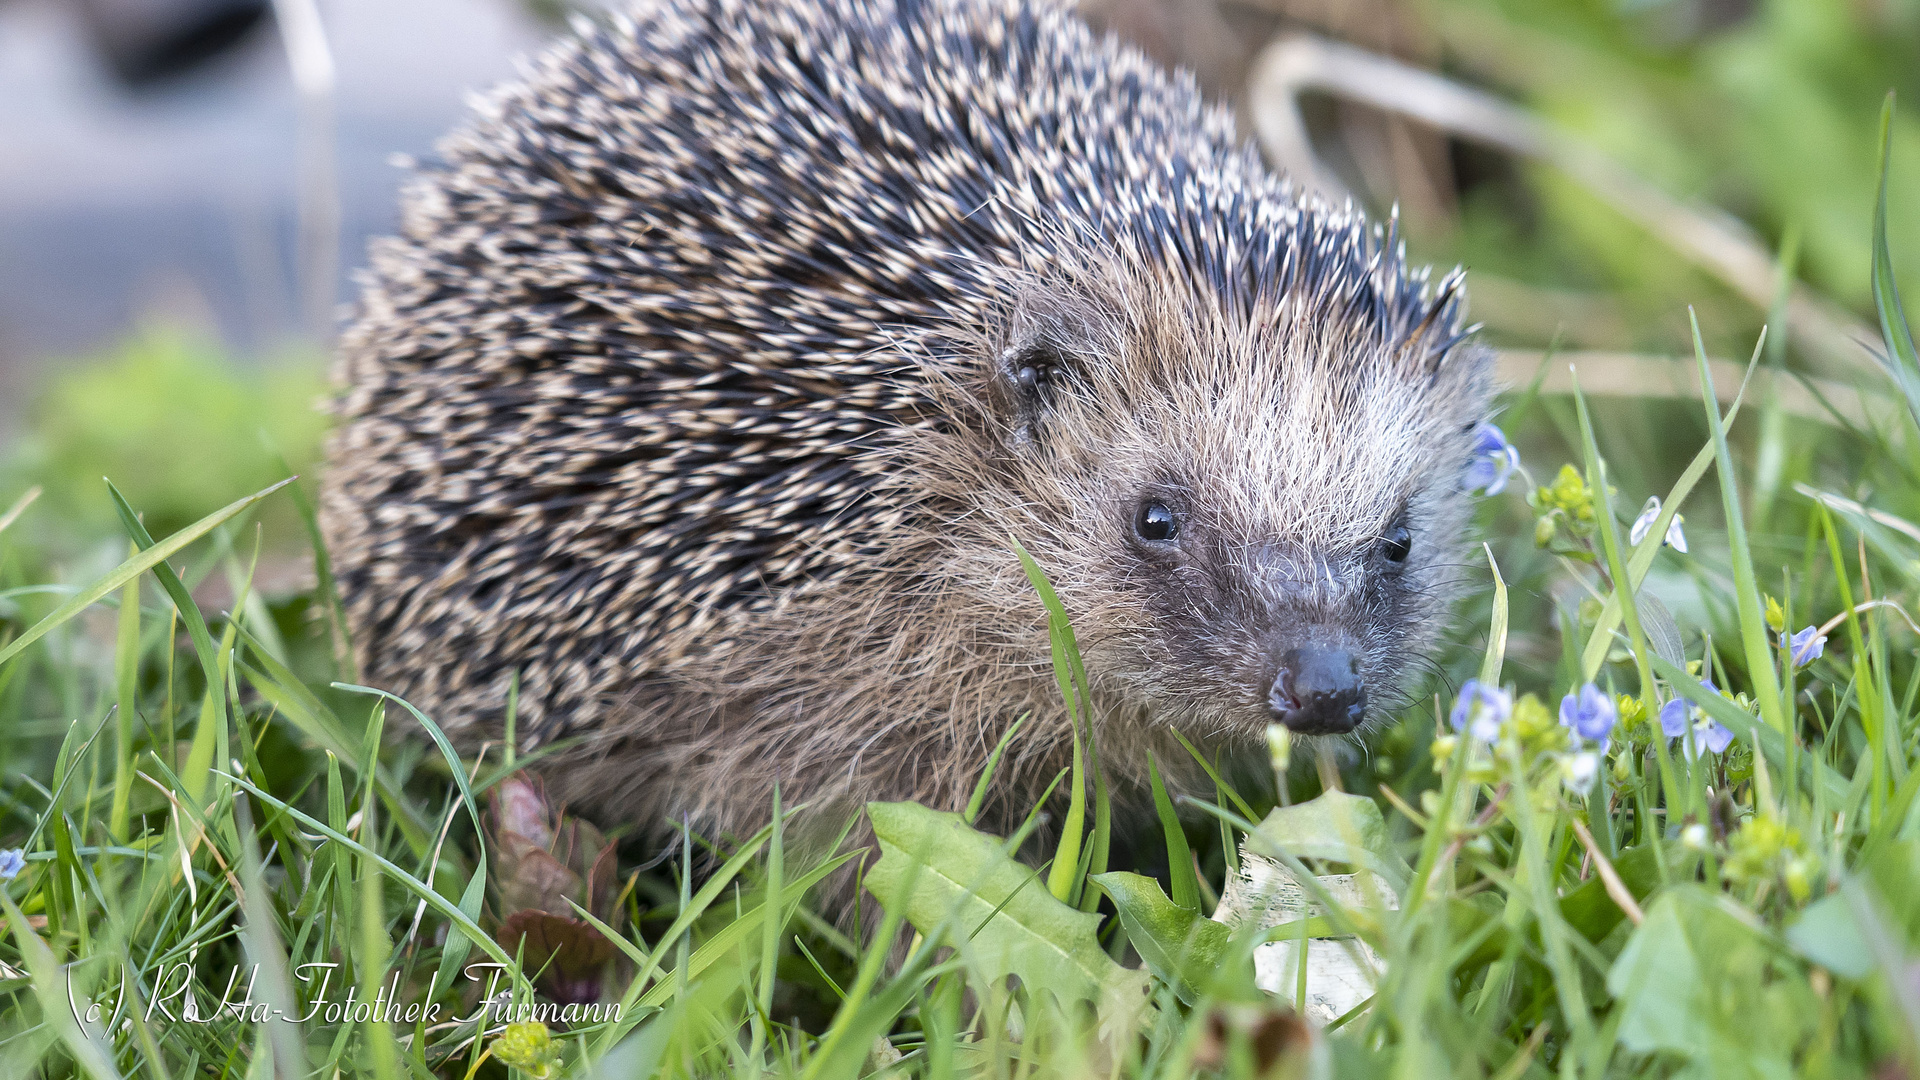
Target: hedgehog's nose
[[1318, 691]]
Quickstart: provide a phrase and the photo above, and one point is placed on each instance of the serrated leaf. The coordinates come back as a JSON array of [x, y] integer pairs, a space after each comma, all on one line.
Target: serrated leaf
[[1179, 945], [1009, 924]]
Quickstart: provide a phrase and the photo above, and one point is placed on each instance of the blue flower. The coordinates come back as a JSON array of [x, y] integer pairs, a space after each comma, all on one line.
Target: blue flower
[[1589, 712], [1711, 735], [1807, 646], [1480, 710], [1680, 715], [1643, 524], [12, 861], [1715, 735], [1494, 460], [1674, 716]]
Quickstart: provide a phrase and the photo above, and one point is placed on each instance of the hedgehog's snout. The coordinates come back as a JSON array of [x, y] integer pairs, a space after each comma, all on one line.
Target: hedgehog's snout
[[1319, 689]]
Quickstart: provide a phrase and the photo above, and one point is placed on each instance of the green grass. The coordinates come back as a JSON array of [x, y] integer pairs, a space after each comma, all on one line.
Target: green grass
[[174, 834], [200, 787], [181, 427]]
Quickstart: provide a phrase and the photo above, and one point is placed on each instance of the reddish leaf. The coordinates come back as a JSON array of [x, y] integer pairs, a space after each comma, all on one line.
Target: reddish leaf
[[531, 879], [519, 805], [570, 955]]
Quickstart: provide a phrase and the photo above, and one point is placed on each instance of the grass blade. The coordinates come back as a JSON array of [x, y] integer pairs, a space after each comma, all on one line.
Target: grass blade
[[979, 797], [1497, 628], [454, 764], [1186, 888], [126, 672], [1065, 879], [1746, 590], [1902, 361], [132, 568], [1610, 543], [393, 870]]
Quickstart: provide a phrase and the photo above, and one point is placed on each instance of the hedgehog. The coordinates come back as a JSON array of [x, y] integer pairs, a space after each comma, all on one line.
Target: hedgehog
[[724, 358]]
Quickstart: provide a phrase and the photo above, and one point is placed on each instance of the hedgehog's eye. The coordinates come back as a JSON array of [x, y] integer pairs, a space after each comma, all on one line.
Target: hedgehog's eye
[[1155, 523], [1397, 544]]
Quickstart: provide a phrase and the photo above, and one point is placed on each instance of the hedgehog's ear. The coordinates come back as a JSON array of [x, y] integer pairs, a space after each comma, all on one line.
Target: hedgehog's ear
[[1027, 375], [1040, 359]]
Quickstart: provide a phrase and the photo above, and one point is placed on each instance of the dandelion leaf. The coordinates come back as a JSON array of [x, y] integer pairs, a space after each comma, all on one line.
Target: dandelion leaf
[[1181, 946], [996, 911]]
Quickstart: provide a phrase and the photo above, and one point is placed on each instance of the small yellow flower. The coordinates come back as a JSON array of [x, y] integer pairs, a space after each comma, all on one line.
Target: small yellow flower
[[1535, 729], [1569, 494], [1632, 713], [1566, 501], [1543, 531], [529, 1047], [1799, 877]]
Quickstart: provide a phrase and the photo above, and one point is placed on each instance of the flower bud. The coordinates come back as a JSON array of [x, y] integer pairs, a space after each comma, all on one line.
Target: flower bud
[[1280, 746], [1543, 532], [529, 1047]]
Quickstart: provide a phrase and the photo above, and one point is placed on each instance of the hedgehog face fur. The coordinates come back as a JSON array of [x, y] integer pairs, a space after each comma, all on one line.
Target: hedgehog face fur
[[723, 356], [1265, 504]]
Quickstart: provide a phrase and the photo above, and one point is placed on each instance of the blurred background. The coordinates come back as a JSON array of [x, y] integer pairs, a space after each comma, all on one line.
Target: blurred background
[[187, 187], [154, 158]]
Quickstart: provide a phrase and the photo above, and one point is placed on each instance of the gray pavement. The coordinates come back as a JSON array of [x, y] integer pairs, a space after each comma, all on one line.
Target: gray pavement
[[180, 203]]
